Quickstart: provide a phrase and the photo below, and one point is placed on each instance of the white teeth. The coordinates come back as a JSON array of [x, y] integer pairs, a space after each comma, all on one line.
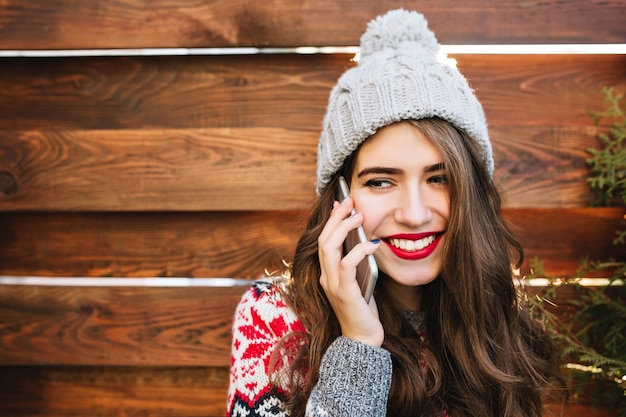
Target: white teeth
[[412, 245]]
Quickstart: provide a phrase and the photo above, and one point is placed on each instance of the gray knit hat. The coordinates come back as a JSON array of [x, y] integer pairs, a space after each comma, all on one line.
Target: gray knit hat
[[398, 77]]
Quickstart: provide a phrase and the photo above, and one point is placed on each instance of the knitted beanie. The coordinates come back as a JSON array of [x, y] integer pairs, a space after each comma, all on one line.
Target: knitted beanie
[[398, 77]]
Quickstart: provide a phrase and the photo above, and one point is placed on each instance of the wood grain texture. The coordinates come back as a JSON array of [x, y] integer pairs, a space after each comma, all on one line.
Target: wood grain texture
[[245, 169], [74, 24], [161, 134], [278, 91], [55, 391], [133, 388], [153, 170], [127, 326], [202, 166], [561, 238], [541, 166], [243, 245], [120, 326], [284, 91], [137, 392], [542, 90], [168, 244]]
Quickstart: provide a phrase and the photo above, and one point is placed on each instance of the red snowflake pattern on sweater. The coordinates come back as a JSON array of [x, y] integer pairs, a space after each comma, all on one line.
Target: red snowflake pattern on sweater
[[261, 320]]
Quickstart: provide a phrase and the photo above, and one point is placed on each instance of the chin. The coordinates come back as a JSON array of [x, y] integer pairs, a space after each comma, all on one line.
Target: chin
[[413, 277]]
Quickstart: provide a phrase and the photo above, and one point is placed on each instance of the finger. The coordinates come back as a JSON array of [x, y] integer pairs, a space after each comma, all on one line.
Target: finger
[[335, 231], [359, 252], [338, 214], [341, 281], [331, 248]]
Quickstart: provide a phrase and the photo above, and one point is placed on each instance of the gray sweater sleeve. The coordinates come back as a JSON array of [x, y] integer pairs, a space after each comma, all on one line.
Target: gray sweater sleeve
[[354, 381]]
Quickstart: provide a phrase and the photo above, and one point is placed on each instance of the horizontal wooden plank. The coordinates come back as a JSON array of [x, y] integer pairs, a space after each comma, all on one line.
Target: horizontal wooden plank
[[223, 244], [580, 408], [138, 392], [279, 91], [243, 244], [542, 90], [285, 91], [128, 326], [245, 169], [144, 116], [187, 326], [54, 391], [72, 24], [138, 389], [540, 166], [561, 238], [217, 169]]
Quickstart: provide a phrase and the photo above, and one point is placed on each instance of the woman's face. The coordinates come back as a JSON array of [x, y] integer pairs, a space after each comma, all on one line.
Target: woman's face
[[400, 185]]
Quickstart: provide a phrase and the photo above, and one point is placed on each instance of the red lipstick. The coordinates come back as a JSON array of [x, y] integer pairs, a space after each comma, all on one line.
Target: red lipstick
[[414, 254]]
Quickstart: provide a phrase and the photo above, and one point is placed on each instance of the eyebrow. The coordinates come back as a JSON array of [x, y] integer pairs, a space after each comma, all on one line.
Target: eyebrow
[[378, 170], [391, 171], [436, 167]]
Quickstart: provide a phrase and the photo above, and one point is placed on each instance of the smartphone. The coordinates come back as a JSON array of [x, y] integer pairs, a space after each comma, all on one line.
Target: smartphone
[[367, 270]]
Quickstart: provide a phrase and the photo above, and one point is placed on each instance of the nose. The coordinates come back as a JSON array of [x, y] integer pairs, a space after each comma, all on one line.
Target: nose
[[412, 207]]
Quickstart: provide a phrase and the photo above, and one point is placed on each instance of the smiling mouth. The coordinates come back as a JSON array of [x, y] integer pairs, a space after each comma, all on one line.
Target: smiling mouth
[[412, 245]]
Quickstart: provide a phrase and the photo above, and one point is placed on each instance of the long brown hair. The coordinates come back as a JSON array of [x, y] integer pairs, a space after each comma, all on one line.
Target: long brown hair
[[483, 354]]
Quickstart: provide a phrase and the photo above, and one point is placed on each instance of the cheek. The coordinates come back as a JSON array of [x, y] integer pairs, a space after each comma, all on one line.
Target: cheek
[[444, 208], [373, 210], [441, 204]]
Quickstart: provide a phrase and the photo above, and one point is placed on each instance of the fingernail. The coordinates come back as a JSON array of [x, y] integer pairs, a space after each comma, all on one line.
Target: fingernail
[[375, 240]]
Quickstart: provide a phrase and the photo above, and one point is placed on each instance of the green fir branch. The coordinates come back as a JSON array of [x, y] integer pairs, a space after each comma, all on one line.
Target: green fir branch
[[593, 333], [608, 164]]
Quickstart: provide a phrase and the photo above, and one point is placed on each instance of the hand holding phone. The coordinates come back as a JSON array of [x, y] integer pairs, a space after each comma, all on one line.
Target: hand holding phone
[[367, 270]]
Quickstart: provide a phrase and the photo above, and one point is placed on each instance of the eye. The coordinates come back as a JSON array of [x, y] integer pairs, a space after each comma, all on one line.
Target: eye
[[441, 179], [377, 183]]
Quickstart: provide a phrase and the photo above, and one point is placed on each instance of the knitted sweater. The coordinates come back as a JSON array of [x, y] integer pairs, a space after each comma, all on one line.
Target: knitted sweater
[[354, 378]]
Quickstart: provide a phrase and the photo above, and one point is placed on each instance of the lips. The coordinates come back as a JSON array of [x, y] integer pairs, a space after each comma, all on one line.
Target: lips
[[413, 246]]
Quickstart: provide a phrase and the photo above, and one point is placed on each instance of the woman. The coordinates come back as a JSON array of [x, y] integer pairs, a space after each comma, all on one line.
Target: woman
[[444, 333]]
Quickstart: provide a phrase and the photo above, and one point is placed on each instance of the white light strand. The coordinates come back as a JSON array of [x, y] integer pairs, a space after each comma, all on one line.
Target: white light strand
[[122, 282], [214, 282], [509, 49]]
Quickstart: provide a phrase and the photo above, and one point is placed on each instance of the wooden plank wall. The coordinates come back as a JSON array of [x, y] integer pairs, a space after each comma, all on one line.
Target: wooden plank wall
[[202, 167]]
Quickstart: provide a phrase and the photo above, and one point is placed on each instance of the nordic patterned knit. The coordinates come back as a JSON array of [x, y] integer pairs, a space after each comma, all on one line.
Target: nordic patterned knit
[[354, 377]]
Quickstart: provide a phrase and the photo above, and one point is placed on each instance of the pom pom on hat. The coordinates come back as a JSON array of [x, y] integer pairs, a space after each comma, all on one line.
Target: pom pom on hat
[[397, 78], [395, 28]]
